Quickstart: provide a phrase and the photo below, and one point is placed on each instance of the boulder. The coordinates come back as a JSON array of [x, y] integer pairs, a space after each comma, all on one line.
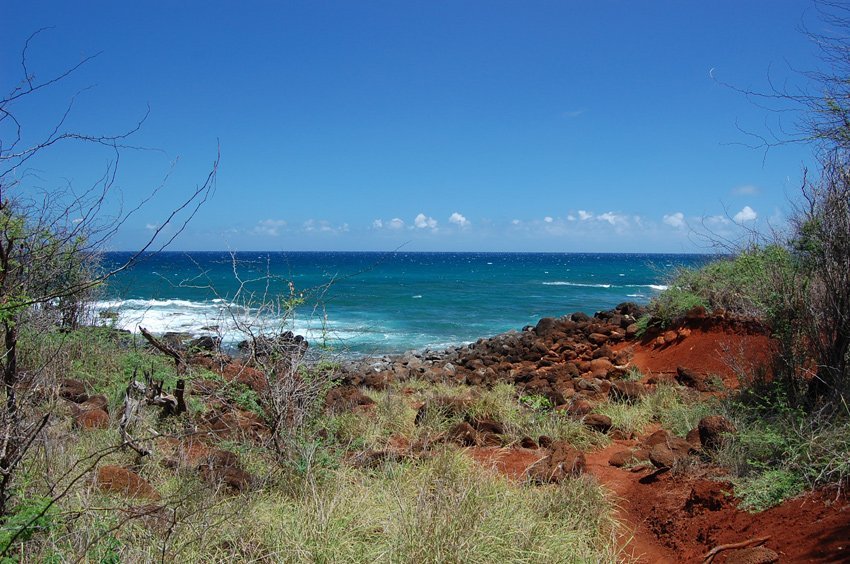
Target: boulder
[[345, 398], [73, 390], [693, 438], [692, 379], [444, 406], [597, 338], [579, 317], [485, 425], [92, 419], [667, 454], [564, 461], [713, 431], [222, 469], [579, 408], [205, 343], [598, 422], [658, 437], [527, 442], [546, 326], [627, 391], [462, 434], [118, 480], [622, 458], [97, 401]]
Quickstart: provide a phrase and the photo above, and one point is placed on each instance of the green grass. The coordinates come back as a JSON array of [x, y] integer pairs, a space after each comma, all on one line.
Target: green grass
[[313, 506], [779, 451], [666, 405]]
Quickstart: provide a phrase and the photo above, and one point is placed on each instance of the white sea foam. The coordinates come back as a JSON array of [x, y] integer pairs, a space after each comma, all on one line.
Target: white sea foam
[[576, 284], [417, 296], [657, 287], [213, 317]]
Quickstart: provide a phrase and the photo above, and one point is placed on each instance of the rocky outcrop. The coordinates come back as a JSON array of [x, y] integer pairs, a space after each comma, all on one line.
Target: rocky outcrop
[[570, 361]]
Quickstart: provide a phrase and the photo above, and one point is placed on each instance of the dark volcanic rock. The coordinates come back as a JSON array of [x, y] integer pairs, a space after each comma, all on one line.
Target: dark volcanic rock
[[463, 434], [598, 422], [345, 398], [692, 379], [222, 469], [485, 425], [564, 461], [73, 390], [627, 391], [546, 326], [713, 430], [118, 480]]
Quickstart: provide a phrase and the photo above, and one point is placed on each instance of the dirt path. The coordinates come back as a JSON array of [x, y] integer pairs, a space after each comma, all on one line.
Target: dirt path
[[637, 540]]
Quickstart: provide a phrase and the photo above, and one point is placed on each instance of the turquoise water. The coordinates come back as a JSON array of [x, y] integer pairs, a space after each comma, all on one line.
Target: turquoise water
[[373, 303]]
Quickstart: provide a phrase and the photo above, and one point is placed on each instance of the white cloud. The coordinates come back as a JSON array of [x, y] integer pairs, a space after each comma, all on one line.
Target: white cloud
[[584, 215], [612, 218], [746, 214], [425, 222], [676, 220], [571, 217], [396, 223], [717, 220], [746, 190], [515, 222], [548, 219], [458, 219], [149, 226], [269, 227], [572, 113], [323, 226], [377, 224]]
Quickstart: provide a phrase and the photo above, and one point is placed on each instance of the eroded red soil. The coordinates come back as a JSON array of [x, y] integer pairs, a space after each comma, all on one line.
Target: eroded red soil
[[671, 517], [720, 350]]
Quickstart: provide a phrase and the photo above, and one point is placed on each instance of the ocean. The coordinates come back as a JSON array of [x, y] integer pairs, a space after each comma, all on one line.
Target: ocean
[[360, 303]]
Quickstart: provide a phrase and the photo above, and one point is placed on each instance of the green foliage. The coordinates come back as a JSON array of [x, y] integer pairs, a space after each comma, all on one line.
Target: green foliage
[[746, 284], [245, 397], [643, 324], [31, 515], [536, 402], [674, 303], [780, 449], [768, 489]]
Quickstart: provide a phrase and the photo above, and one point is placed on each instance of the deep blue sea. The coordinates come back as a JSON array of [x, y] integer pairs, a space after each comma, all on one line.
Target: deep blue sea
[[376, 303]]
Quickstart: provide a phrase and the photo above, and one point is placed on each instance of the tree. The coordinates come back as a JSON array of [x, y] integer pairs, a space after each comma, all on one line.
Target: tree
[[811, 303], [49, 246]]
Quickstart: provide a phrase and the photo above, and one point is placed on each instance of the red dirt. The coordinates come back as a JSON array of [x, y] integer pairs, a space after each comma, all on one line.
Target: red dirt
[[711, 351], [512, 462], [670, 517]]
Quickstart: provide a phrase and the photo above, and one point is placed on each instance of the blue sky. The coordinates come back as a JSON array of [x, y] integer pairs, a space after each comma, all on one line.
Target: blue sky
[[493, 126]]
